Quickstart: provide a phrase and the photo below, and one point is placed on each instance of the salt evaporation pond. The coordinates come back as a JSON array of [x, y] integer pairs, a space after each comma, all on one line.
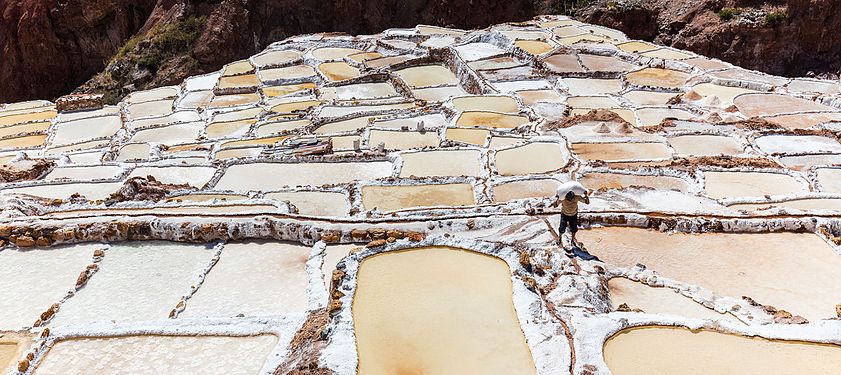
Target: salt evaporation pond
[[154, 355], [653, 300], [253, 279], [437, 310], [758, 265], [392, 198], [671, 350]]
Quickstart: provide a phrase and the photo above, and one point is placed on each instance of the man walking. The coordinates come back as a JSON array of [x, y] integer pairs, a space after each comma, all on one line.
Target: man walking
[[568, 195]]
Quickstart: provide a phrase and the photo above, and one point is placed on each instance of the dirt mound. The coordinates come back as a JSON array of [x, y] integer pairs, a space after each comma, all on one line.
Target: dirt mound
[[305, 347], [595, 115], [722, 161], [25, 171], [144, 189]]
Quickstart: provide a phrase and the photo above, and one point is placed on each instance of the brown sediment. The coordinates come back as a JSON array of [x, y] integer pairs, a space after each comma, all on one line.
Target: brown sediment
[[666, 123], [40, 168], [722, 161], [305, 347], [599, 115], [144, 189], [754, 123]]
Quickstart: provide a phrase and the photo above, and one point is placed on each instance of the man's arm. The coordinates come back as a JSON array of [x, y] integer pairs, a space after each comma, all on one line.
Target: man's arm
[[585, 198], [555, 203]]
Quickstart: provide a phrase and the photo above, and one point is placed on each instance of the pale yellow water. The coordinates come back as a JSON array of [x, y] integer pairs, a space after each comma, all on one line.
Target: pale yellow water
[[321, 203], [597, 63], [24, 128], [537, 188], [427, 75], [637, 46], [12, 345], [441, 163], [220, 101], [816, 204], [538, 157], [534, 47], [27, 117], [670, 350], [654, 116], [657, 77], [621, 151], [491, 120], [596, 181], [275, 57], [216, 130], [27, 141], [289, 72], [438, 94], [238, 82], [277, 127], [701, 145], [468, 135], [153, 355], [149, 109], [391, 198], [333, 53], [276, 91], [237, 68], [658, 300], [667, 54], [748, 184], [772, 104], [792, 271], [338, 71], [505, 104], [437, 311], [649, 97], [134, 151]]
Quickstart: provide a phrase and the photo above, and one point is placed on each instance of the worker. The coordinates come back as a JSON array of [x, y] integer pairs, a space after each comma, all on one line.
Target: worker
[[568, 199]]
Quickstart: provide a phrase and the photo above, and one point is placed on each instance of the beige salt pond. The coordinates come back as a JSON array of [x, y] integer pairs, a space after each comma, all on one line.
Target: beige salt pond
[[441, 163], [338, 71], [253, 279], [467, 135], [286, 73], [658, 300], [705, 145], [534, 47], [438, 94], [621, 151], [437, 311], [538, 157], [813, 204], [772, 104], [350, 125], [392, 198], [24, 128], [137, 281], [523, 189], [758, 265], [151, 355], [22, 142], [36, 279], [588, 86], [272, 58], [263, 176], [427, 75], [488, 119], [504, 104], [599, 180], [27, 117], [333, 53], [748, 184], [401, 140], [676, 350], [91, 191], [657, 77], [12, 346], [829, 179], [318, 203]]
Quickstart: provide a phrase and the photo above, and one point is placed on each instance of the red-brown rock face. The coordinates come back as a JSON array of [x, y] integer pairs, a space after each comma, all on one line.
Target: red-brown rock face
[[48, 47]]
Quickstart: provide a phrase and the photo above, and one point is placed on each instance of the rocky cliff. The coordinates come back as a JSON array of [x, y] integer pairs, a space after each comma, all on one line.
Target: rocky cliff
[[782, 37]]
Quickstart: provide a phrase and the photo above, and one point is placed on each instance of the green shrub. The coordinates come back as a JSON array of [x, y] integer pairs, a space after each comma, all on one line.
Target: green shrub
[[150, 59], [776, 18], [727, 14]]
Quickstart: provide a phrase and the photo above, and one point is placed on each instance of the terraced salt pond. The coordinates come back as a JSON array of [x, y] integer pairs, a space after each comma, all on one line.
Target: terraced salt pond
[[441, 163], [621, 151], [439, 311], [264, 176], [400, 140], [490, 120], [535, 188], [322, 203], [598, 180], [749, 184], [253, 279], [12, 346], [662, 300], [681, 351], [149, 355], [392, 198], [538, 157], [427, 75], [705, 145], [761, 266]]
